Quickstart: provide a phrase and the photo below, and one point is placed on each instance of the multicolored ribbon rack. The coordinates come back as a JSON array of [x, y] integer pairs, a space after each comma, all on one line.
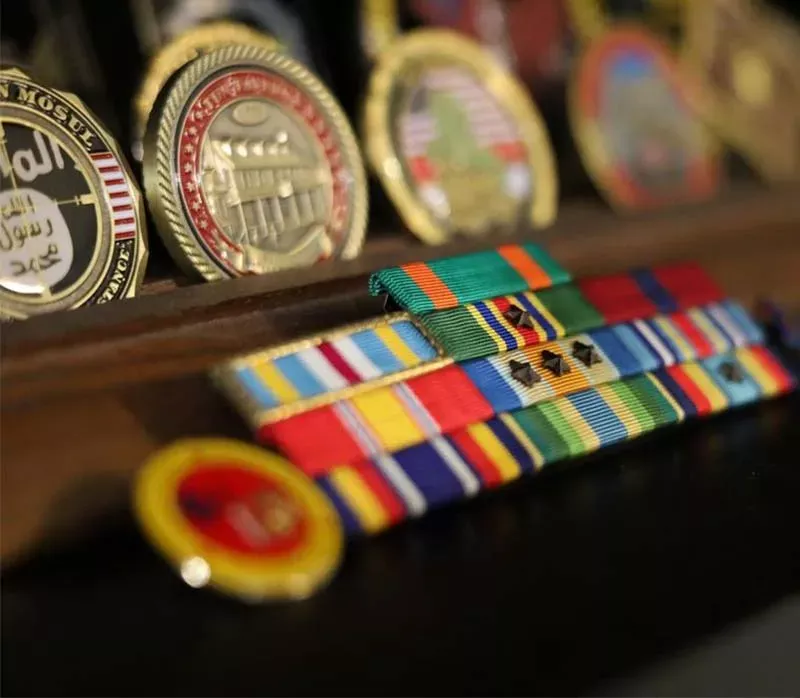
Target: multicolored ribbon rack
[[373, 493], [273, 384], [501, 365]]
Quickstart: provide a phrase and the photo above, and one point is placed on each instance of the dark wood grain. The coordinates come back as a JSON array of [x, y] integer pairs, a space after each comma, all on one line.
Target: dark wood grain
[[588, 237], [87, 395]]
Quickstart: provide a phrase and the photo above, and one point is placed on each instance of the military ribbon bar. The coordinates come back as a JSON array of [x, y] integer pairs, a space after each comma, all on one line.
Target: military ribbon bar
[[295, 377], [512, 321], [381, 420], [646, 292], [524, 319], [736, 378], [374, 493], [422, 287], [522, 377]]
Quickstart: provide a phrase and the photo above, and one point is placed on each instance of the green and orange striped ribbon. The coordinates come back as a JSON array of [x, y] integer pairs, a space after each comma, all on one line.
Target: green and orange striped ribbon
[[421, 287]]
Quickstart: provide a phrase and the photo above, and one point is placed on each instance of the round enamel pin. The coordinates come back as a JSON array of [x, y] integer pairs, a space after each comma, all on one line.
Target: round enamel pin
[[592, 17], [186, 47], [250, 166], [456, 141], [642, 144], [71, 218], [238, 519]]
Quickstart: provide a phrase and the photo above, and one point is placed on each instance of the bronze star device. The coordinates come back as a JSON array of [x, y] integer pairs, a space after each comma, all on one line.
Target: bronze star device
[[250, 166], [71, 218]]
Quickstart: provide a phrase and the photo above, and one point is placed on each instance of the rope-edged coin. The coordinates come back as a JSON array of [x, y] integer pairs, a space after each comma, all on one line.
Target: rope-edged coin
[[184, 48], [250, 166], [456, 140], [71, 214]]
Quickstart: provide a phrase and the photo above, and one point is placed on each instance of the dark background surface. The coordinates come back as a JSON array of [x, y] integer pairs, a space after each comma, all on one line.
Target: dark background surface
[[583, 579], [609, 575]]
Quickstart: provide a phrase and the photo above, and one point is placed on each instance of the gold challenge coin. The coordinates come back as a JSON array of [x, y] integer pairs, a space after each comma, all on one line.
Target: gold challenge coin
[[456, 141], [743, 55], [250, 166], [186, 47], [71, 217], [591, 18]]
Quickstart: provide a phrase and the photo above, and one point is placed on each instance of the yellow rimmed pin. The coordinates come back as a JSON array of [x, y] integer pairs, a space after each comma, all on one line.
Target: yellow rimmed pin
[[456, 140], [238, 519]]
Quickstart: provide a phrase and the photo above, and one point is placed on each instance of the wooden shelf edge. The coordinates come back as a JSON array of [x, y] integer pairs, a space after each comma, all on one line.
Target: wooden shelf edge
[[190, 329], [580, 228]]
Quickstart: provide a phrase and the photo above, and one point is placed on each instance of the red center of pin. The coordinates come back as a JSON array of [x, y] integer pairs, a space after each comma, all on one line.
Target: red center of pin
[[241, 510], [221, 92]]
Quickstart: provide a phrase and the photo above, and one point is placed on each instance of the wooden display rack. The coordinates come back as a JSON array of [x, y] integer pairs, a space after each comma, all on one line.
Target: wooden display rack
[[86, 395]]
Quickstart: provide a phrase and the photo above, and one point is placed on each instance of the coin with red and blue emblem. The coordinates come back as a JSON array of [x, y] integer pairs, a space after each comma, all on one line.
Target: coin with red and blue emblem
[[640, 140]]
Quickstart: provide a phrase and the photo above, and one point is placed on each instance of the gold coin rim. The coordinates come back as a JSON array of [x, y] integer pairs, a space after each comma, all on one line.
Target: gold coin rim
[[506, 89], [590, 18], [186, 47], [139, 261], [172, 224]]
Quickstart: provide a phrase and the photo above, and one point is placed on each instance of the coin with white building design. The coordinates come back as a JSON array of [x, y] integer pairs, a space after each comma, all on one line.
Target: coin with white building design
[[251, 167], [71, 223]]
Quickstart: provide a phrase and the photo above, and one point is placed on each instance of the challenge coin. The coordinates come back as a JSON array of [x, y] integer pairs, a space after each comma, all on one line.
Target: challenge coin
[[745, 56], [159, 22], [641, 142], [667, 18], [238, 519], [379, 25], [456, 140], [530, 37], [186, 47], [71, 218], [250, 166]]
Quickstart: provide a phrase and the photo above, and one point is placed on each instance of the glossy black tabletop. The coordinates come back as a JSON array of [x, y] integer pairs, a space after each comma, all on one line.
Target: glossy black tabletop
[[569, 583]]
